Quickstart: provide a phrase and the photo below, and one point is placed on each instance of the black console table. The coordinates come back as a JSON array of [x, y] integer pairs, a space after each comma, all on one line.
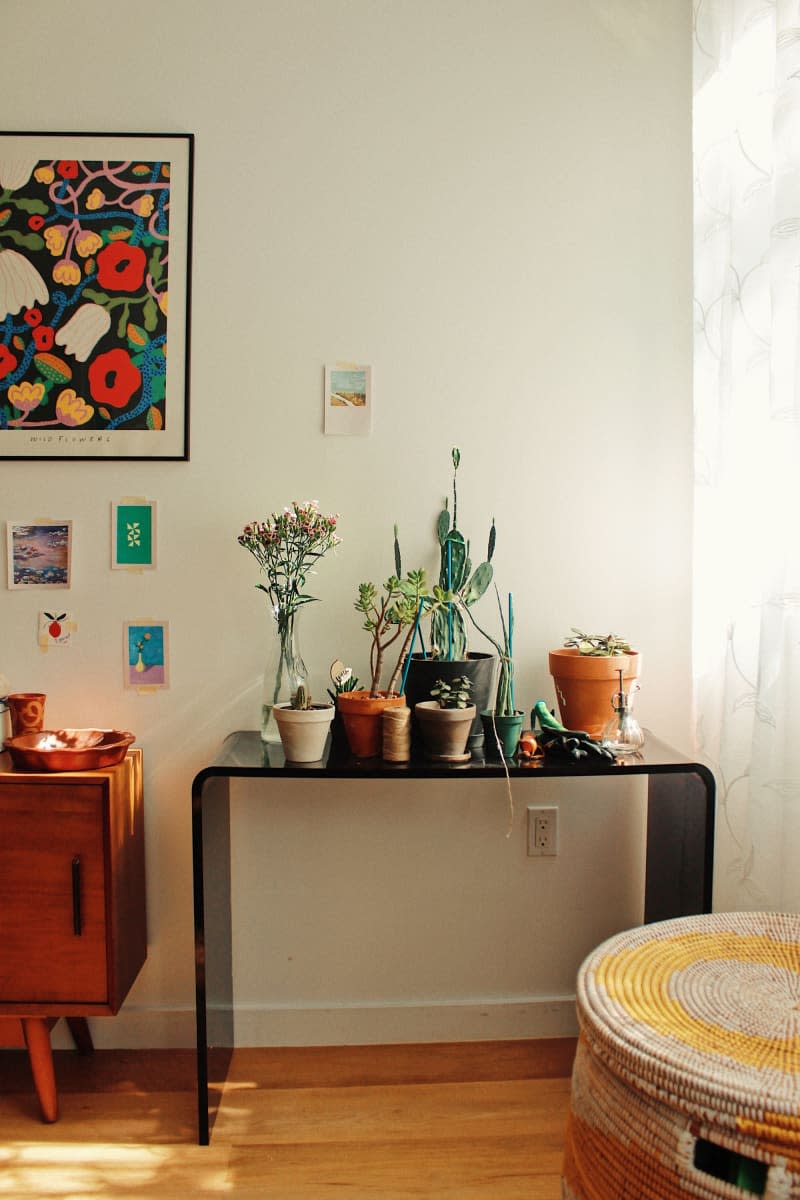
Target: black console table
[[678, 869]]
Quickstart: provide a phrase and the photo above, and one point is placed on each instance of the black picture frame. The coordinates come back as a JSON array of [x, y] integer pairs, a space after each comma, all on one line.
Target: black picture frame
[[95, 270]]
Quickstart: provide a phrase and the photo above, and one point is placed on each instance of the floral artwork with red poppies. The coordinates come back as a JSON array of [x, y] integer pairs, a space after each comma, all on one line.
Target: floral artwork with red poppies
[[84, 266]]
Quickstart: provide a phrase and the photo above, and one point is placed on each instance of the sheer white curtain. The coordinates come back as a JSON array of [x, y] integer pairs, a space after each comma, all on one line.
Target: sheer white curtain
[[747, 420]]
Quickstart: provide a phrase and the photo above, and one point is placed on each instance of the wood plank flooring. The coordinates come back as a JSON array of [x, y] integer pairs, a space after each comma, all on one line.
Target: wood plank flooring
[[468, 1121]]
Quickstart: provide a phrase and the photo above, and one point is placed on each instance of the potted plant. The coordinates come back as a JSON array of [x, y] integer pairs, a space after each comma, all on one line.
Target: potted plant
[[389, 614], [502, 724], [286, 547], [303, 727], [343, 680], [448, 656], [446, 719], [585, 674]]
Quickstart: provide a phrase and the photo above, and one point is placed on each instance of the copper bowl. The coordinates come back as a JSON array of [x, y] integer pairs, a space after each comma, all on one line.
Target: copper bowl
[[69, 749]]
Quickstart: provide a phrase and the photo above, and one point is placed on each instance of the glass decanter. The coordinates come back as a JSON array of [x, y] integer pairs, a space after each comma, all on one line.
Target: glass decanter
[[623, 733]]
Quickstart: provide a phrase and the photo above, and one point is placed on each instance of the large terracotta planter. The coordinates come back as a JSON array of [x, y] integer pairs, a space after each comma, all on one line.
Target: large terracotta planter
[[445, 730], [362, 716], [304, 731], [586, 683]]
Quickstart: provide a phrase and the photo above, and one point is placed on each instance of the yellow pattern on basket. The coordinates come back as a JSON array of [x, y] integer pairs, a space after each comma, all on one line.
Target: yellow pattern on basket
[[638, 979]]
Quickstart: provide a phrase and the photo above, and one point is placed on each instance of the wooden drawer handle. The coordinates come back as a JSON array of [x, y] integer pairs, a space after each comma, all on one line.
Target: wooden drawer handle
[[77, 921]]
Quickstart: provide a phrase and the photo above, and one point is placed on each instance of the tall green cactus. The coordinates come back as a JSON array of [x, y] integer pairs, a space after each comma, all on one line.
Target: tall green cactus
[[459, 586]]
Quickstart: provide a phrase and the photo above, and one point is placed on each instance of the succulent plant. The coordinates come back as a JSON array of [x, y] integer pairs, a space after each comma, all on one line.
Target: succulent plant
[[386, 615], [455, 694], [598, 645]]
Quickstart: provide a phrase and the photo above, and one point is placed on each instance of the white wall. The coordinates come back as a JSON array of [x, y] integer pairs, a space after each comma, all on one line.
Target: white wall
[[489, 202]]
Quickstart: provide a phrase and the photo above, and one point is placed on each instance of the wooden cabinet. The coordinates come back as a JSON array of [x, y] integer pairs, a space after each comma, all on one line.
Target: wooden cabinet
[[73, 933]]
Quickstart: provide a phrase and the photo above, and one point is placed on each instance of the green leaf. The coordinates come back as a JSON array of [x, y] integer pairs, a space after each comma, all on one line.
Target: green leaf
[[154, 266], [398, 564], [150, 314], [479, 582], [137, 337], [32, 206], [443, 525], [158, 388], [441, 632], [122, 324], [98, 297], [454, 566], [31, 241]]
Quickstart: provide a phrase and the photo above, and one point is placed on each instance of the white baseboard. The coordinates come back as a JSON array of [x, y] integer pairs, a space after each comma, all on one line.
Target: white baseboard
[[135, 1028], [342, 1024]]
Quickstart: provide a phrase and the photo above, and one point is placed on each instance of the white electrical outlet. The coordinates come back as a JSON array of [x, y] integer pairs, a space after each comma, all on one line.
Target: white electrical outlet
[[542, 831]]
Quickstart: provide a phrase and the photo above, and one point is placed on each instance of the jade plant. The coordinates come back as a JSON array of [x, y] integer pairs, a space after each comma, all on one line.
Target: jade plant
[[597, 645], [455, 694], [390, 614]]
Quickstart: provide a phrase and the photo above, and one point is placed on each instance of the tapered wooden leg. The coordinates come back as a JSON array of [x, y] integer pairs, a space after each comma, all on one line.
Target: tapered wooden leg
[[37, 1038], [81, 1034]]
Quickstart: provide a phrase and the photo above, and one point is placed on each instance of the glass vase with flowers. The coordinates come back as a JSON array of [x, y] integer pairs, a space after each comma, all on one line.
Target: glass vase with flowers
[[286, 547]]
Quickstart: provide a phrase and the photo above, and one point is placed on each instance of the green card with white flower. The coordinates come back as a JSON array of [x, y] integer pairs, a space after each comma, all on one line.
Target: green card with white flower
[[133, 534]]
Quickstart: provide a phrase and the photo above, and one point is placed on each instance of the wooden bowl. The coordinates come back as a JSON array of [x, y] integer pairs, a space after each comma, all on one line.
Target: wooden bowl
[[69, 749]]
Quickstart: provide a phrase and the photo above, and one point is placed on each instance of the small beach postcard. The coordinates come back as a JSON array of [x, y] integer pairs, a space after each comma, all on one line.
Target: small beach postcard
[[348, 399]]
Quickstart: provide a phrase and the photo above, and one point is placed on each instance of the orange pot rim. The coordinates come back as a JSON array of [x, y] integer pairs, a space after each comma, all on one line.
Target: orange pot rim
[[569, 662], [360, 700]]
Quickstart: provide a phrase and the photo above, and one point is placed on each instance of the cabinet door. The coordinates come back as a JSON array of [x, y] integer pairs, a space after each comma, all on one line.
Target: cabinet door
[[52, 893]]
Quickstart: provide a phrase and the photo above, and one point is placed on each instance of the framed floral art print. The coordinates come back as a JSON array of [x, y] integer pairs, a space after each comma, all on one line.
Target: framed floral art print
[[95, 264]]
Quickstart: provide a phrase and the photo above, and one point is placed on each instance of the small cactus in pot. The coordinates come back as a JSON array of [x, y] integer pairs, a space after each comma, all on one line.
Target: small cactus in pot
[[303, 726]]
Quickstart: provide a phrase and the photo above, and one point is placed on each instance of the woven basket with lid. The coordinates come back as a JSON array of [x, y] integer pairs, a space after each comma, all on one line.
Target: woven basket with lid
[[687, 1075]]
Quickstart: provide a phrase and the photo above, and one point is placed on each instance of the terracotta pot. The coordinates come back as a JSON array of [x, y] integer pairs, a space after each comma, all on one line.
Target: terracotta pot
[[26, 710], [304, 731], [586, 683], [423, 673], [507, 728], [445, 731], [362, 716]]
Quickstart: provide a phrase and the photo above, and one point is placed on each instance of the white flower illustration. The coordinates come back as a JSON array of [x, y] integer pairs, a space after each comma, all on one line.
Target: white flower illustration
[[21, 285], [83, 330], [15, 172]]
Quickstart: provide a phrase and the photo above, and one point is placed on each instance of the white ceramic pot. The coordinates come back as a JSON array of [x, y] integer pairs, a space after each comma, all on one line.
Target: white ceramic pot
[[303, 731]]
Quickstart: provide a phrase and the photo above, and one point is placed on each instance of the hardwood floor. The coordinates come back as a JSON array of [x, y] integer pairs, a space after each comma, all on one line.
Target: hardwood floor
[[474, 1121]]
